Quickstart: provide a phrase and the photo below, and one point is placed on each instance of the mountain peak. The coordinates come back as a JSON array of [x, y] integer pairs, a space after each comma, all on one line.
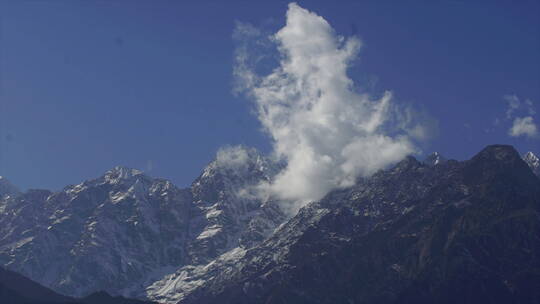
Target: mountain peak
[[434, 158], [406, 164], [505, 153], [238, 157], [500, 162], [240, 161], [125, 171], [121, 173], [7, 188]]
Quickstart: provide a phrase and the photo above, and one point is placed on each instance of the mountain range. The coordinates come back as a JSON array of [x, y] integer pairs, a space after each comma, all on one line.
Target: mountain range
[[436, 231]]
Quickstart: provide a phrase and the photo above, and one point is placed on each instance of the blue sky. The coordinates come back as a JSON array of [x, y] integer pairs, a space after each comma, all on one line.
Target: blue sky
[[87, 85]]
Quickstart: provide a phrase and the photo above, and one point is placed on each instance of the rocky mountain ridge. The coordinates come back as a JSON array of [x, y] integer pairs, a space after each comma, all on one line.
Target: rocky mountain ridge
[[458, 232], [124, 230]]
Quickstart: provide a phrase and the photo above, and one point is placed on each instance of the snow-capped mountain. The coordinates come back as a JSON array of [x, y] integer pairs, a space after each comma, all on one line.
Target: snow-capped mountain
[[125, 230], [438, 231], [533, 162], [224, 222], [102, 234], [222, 216], [434, 158]]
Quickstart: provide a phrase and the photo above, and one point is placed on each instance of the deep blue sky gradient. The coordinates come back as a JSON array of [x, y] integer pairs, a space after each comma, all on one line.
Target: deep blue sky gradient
[[87, 85]]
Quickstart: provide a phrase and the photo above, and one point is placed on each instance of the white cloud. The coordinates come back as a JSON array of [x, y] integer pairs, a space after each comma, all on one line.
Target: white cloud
[[328, 132], [524, 126]]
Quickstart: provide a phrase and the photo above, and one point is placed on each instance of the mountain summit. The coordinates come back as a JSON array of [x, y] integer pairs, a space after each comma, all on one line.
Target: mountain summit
[[434, 158], [7, 188]]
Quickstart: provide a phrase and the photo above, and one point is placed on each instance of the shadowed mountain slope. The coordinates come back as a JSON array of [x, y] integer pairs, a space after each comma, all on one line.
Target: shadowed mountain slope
[[458, 232]]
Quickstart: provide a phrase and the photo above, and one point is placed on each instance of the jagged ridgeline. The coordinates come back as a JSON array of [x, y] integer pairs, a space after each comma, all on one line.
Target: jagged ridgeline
[[124, 231], [437, 231]]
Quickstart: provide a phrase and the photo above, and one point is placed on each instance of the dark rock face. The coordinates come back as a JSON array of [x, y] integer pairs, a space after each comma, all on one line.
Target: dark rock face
[[102, 297], [16, 289], [458, 232]]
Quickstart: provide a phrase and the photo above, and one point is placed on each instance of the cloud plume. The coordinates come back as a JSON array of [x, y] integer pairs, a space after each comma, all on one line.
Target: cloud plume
[[327, 130]]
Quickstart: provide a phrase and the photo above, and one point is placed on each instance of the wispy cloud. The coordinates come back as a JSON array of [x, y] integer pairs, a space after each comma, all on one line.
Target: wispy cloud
[[513, 105], [328, 133]]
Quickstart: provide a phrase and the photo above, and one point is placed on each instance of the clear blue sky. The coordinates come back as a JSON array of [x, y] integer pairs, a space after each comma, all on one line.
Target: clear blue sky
[[87, 85]]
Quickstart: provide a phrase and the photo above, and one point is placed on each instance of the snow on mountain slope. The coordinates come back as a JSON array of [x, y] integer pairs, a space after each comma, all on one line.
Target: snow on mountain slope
[[125, 230], [224, 223], [99, 235], [434, 158], [533, 162], [176, 286], [222, 218]]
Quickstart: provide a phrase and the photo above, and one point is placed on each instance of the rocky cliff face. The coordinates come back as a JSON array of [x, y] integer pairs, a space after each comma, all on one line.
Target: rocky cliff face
[[459, 232]]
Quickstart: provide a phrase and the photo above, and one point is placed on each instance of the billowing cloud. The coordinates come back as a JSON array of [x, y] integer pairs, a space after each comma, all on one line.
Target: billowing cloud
[[327, 130], [523, 126]]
